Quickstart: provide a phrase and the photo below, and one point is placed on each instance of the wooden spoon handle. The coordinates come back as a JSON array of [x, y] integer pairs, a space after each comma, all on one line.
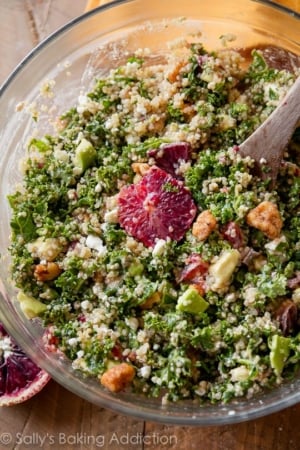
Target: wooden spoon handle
[[268, 142]]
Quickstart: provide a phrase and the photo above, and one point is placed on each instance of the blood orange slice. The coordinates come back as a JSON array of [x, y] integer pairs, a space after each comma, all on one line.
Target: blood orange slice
[[232, 233], [157, 207], [20, 377], [170, 156], [194, 272], [194, 269]]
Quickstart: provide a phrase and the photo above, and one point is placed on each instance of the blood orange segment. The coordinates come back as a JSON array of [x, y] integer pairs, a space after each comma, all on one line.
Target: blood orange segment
[[170, 156], [20, 377], [233, 234], [158, 207], [194, 272], [194, 269]]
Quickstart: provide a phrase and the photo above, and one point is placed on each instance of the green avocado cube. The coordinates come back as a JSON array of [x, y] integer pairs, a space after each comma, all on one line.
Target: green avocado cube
[[30, 306], [85, 155], [280, 350], [136, 268], [192, 302]]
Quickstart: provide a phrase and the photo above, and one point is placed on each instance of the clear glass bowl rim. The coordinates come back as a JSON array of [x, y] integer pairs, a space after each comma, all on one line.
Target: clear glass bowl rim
[[177, 415]]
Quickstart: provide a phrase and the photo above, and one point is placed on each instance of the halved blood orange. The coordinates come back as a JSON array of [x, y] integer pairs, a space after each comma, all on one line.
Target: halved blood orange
[[157, 207], [20, 377]]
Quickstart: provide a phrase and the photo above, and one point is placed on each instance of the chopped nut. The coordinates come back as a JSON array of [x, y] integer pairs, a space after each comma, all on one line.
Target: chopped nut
[[151, 301], [172, 76], [204, 225], [140, 168], [46, 272], [118, 377], [266, 218]]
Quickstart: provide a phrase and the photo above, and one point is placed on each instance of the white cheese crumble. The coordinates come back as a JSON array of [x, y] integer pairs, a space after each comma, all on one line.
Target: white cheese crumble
[[95, 243]]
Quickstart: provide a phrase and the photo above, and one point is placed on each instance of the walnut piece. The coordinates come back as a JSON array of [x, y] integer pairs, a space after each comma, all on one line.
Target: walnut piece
[[46, 272], [204, 225], [118, 377], [266, 218]]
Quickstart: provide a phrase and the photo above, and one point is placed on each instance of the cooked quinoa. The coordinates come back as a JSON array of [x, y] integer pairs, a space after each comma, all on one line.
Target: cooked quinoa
[[204, 305]]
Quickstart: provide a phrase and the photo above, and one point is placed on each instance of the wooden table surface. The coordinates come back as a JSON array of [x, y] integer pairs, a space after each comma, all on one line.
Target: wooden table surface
[[56, 418]]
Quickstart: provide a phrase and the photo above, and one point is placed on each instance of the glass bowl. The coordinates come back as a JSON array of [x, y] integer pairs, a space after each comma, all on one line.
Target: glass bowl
[[95, 42]]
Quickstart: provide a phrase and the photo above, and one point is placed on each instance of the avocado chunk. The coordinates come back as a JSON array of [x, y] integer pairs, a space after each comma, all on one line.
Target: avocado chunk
[[280, 350], [85, 155], [136, 268], [221, 271], [30, 306], [192, 302]]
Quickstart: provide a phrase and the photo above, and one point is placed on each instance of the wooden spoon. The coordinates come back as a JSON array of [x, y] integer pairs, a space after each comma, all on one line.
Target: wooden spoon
[[266, 145]]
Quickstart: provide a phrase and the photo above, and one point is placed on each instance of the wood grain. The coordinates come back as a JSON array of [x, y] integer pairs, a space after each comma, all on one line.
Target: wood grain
[[64, 420], [24, 23]]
